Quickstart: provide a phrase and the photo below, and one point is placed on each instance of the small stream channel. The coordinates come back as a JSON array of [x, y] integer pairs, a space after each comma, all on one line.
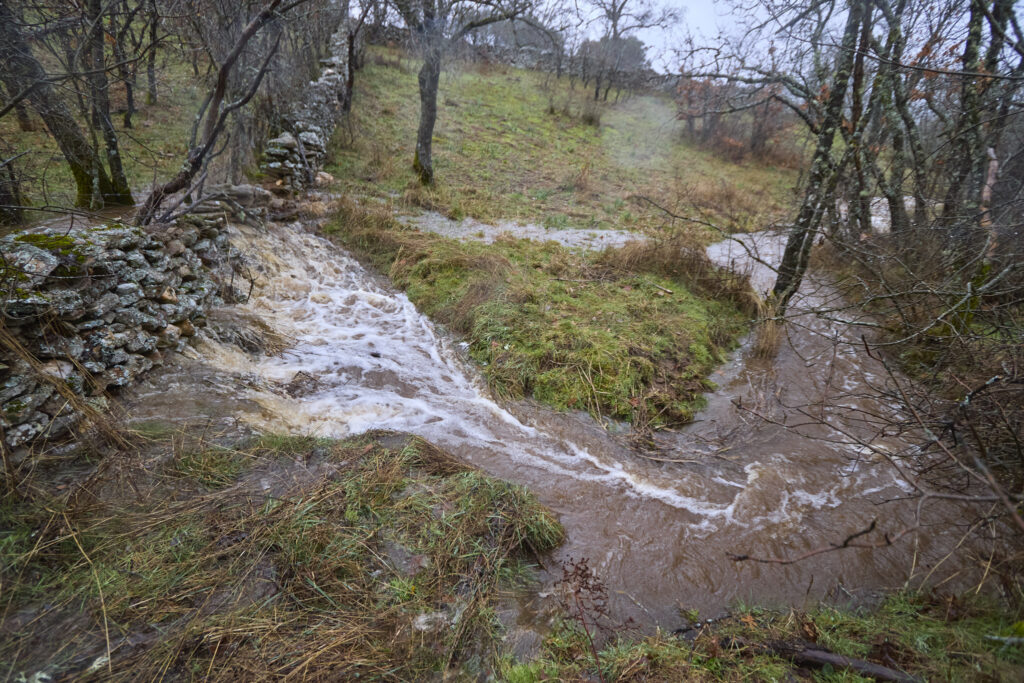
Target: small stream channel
[[360, 356]]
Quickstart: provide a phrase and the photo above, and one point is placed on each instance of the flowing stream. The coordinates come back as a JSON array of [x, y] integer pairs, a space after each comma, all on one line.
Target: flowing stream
[[656, 528]]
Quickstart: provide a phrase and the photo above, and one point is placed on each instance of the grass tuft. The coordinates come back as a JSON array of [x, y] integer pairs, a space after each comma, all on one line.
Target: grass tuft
[[631, 333], [378, 556]]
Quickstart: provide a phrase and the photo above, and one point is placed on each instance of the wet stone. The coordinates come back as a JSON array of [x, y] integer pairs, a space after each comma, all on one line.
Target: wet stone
[[141, 342], [89, 325], [25, 432], [17, 383], [130, 292], [31, 261], [170, 337], [64, 347], [105, 304], [20, 409], [27, 306], [174, 248], [130, 317], [154, 277], [136, 260]]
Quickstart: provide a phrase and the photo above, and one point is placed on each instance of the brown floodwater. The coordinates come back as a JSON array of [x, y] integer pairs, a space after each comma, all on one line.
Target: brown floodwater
[[788, 456]]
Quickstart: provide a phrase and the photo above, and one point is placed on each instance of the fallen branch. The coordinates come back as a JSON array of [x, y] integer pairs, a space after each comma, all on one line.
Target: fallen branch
[[657, 286], [849, 542], [805, 655]]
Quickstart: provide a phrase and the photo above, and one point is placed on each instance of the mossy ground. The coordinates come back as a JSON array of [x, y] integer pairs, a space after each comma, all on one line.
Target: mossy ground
[[279, 557], [513, 144], [630, 334]]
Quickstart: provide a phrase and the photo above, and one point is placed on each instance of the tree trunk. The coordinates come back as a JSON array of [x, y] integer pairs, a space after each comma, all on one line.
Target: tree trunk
[[154, 20], [860, 206], [11, 212], [125, 67], [118, 192], [429, 76], [350, 77], [968, 151], [20, 111], [819, 187], [23, 71]]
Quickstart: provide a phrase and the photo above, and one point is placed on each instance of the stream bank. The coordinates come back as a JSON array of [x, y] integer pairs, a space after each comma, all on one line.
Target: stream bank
[[657, 530], [325, 347]]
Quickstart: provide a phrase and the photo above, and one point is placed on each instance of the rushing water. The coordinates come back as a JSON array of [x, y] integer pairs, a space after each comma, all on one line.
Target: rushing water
[[656, 528]]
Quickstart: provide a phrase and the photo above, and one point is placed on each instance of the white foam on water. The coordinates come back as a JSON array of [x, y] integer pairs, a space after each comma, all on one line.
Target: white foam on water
[[362, 357]]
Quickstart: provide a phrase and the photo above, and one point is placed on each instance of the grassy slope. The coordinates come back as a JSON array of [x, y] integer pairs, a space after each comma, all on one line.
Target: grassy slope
[[192, 568], [630, 334], [601, 334], [499, 153], [154, 147]]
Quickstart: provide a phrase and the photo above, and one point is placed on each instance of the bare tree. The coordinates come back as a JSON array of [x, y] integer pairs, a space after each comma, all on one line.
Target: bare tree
[[916, 112], [98, 183], [217, 107], [437, 25], [615, 52]]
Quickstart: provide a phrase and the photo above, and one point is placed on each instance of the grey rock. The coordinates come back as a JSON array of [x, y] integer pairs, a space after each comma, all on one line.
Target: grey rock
[[105, 304], [17, 383], [170, 337], [153, 276], [122, 374], [140, 342], [130, 317], [120, 237], [62, 347], [129, 292], [90, 325], [136, 260], [22, 408], [65, 371], [286, 140], [174, 248], [27, 431], [61, 424], [35, 263]]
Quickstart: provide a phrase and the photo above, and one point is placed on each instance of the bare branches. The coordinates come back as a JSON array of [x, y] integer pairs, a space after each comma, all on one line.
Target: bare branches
[[214, 112]]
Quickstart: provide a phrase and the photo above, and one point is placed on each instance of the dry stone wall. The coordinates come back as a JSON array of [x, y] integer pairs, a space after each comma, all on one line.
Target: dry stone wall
[[97, 306], [296, 156]]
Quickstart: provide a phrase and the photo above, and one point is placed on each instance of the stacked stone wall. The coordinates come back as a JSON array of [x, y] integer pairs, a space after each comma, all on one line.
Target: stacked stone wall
[[95, 307], [297, 155]]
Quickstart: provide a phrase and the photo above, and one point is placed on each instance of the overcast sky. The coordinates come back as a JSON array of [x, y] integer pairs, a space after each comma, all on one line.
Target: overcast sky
[[704, 20]]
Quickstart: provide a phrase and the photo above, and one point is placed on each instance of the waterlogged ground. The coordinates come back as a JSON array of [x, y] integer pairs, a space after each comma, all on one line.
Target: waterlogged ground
[[657, 527], [472, 229]]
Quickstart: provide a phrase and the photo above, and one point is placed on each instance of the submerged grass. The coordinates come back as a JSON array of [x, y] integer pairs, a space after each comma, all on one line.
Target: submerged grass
[[630, 334], [925, 638], [377, 556]]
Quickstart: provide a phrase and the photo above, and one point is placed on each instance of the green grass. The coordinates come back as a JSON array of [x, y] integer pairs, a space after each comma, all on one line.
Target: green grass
[[500, 153], [323, 577], [154, 148], [630, 334], [931, 638]]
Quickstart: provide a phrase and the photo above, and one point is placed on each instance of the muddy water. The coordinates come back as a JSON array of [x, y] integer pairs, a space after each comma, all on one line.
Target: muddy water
[[657, 528]]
